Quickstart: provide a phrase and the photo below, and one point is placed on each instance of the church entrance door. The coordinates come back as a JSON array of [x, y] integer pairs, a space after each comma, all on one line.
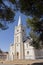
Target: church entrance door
[[17, 55]]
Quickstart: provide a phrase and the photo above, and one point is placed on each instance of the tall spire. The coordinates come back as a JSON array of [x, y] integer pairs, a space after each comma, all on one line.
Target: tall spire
[[19, 21]]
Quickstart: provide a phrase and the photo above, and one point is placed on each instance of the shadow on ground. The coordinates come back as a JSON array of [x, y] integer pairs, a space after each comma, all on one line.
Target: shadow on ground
[[37, 64]]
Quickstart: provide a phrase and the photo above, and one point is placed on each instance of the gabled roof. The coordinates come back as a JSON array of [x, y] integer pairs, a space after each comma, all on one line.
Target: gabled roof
[[27, 39]]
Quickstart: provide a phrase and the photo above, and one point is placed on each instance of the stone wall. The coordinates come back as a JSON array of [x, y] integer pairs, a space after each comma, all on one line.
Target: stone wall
[[38, 53]]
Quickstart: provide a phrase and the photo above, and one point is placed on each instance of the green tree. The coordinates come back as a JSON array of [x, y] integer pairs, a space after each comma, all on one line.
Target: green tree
[[36, 32], [28, 7], [33, 8], [6, 14]]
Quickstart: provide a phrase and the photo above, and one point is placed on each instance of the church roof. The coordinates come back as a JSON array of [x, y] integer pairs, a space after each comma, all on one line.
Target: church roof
[[19, 21], [27, 38], [12, 44]]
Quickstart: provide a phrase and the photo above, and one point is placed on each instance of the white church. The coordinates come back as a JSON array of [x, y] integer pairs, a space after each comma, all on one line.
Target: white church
[[22, 48]]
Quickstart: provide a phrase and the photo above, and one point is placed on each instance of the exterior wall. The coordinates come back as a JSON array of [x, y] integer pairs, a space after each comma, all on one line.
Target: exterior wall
[[18, 50], [19, 37], [20, 33], [29, 51], [22, 49], [11, 52], [17, 34], [33, 53], [38, 53], [3, 56]]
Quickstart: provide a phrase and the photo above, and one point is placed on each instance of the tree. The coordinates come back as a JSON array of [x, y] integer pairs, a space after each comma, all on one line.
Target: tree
[[33, 8], [28, 7], [6, 15], [36, 32]]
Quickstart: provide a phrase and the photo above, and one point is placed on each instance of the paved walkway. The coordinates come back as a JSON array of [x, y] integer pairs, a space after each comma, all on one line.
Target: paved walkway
[[23, 62]]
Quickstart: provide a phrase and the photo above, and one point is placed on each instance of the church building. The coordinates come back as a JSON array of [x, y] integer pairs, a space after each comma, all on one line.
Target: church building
[[22, 48]]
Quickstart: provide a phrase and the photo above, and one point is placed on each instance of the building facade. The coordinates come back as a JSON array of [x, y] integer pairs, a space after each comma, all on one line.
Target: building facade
[[22, 48], [3, 56]]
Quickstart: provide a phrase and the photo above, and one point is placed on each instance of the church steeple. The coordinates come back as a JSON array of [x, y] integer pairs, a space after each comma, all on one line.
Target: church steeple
[[20, 32], [19, 38], [19, 21]]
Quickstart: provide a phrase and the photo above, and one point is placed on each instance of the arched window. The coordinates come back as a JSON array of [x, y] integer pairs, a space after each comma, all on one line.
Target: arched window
[[17, 38], [27, 45], [17, 55], [27, 52]]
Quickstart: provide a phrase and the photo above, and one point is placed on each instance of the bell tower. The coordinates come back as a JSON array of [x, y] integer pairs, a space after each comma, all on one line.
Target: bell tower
[[19, 38]]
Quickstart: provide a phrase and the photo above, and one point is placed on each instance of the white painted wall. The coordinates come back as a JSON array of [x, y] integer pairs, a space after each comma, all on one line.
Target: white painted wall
[[18, 49], [38, 53], [11, 52], [31, 51]]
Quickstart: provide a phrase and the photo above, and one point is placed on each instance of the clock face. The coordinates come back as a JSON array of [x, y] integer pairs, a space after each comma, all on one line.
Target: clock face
[[17, 30], [23, 30], [17, 45]]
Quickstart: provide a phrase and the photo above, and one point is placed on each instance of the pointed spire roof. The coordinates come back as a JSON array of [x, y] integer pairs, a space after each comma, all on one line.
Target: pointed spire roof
[[19, 21]]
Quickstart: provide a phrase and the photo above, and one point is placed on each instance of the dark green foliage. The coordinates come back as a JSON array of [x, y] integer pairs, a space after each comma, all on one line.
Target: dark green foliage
[[32, 7], [1, 25], [0, 1], [9, 14], [13, 1], [6, 14], [35, 39], [28, 7], [36, 25]]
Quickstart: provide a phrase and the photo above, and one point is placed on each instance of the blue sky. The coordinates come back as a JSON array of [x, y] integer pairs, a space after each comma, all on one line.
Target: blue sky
[[7, 36]]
